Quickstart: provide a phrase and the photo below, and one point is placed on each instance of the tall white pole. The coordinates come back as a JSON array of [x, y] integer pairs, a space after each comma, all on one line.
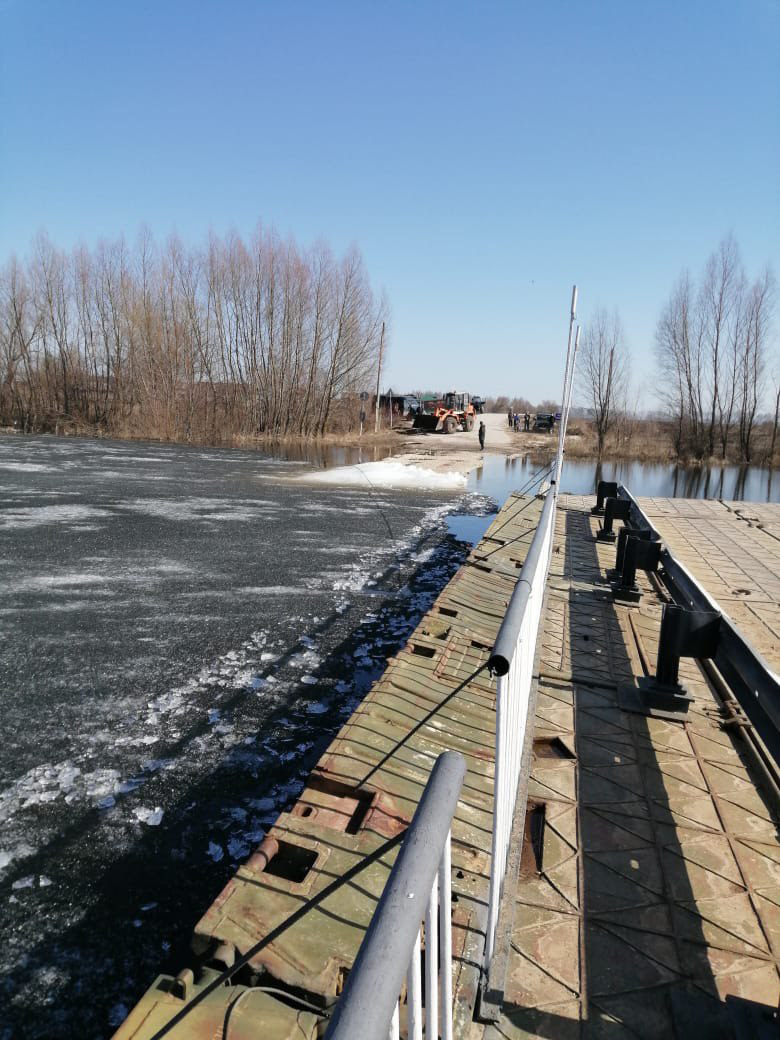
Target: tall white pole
[[571, 382], [378, 374], [559, 456]]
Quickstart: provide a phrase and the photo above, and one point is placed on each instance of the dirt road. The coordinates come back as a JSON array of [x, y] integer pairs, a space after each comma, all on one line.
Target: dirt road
[[460, 452]]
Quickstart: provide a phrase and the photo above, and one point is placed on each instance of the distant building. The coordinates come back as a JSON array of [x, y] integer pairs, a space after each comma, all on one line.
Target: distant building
[[402, 403]]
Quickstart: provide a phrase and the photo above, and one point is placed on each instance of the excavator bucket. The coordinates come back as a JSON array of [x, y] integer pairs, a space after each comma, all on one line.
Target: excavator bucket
[[425, 421]]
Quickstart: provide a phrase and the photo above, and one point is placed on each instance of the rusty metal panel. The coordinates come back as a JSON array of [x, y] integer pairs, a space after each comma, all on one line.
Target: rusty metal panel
[[434, 695], [313, 953], [246, 1012]]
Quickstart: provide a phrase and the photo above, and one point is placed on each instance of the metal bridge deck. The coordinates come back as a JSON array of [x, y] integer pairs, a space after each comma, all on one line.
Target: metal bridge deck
[[733, 550], [652, 889], [435, 695]]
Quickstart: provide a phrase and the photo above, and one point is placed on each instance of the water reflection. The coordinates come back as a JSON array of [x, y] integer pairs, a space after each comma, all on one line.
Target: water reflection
[[499, 477], [467, 528], [328, 456]]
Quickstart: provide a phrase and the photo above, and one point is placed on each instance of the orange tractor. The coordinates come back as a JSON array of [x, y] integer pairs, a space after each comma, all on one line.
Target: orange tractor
[[455, 412]]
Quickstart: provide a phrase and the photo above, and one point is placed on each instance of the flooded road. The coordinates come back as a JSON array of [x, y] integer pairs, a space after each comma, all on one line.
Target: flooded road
[[183, 630]]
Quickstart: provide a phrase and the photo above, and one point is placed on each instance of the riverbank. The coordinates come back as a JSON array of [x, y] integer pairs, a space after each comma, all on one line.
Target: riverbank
[[258, 442], [650, 440], [643, 441]]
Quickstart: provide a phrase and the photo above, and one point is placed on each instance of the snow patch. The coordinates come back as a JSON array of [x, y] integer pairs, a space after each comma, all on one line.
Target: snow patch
[[27, 467], [46, 783], [37, 516], [388, 475], [151, 817], [179, 509]]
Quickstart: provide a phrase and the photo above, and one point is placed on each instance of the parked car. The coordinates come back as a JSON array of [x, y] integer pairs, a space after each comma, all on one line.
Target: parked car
[[544, 424]]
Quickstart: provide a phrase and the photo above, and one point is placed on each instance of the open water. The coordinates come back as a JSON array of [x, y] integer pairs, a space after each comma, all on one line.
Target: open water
[[500, 476], [182, 630]]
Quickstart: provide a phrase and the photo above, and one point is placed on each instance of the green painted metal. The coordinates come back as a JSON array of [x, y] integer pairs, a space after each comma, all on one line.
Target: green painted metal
[[434, 696]]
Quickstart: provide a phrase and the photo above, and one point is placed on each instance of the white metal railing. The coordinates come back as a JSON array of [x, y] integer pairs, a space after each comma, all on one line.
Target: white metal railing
[[415, 907], [512, 660], [415, 910]]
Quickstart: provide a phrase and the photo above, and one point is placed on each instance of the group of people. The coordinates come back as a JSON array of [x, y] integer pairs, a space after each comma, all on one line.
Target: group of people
[[515, 419]]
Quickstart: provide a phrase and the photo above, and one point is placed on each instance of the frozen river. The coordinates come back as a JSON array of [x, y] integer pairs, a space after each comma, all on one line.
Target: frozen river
[[182, 630]]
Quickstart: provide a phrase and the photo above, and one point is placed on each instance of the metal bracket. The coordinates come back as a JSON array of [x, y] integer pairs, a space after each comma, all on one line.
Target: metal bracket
[[654, 699], [684, 633], [613, 574], [604, 489], [640, 554], [615, 509]]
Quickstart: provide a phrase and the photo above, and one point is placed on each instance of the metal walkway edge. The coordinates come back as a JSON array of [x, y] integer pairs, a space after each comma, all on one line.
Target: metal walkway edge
[[435, 695]]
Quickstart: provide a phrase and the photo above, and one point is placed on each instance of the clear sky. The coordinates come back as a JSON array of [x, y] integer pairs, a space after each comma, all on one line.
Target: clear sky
[[483, 156]]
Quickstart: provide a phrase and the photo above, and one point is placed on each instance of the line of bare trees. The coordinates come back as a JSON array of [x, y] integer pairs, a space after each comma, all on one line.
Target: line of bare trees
[[237, 339], [520, 405], [712, 347]]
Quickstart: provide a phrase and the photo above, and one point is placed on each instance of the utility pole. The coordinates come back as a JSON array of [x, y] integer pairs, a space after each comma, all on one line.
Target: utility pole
[[378, 374]]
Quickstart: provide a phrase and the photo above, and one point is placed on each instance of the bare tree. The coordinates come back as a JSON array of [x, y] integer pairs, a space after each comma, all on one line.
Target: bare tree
[[718, 298], [757, 326], [678, 363], [710, 348], [773, 441], [602, 372], [238, 339]]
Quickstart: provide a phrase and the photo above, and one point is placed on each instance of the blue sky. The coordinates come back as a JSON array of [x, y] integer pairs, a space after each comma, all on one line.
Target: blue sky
[[483, 156]]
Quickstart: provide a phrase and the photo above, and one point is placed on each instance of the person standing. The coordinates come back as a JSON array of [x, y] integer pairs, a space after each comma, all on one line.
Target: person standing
[[527, 421], [509, 417], [481, 436]]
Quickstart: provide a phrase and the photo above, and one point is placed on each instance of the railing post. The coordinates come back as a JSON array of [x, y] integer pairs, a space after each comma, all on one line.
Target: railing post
[[445, 939], [390, 949], [432, 963], [640, 552], [414, 994], [623, 534]]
